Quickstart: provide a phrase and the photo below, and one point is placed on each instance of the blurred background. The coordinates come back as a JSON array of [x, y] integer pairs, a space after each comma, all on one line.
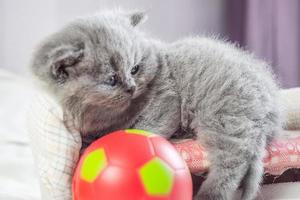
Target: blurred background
[[269, 28]]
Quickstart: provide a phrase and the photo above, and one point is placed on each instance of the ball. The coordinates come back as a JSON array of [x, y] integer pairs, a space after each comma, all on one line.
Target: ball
[[131, 165]]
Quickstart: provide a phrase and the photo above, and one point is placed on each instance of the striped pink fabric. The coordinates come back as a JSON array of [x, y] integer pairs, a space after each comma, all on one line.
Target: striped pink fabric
[[282, 154]]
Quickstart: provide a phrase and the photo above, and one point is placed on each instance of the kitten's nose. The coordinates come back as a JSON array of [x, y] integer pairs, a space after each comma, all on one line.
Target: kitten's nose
[[130, 89]]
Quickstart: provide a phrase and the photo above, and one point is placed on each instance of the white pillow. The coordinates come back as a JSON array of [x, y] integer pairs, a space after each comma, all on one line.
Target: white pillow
[[18, 178], [56, 150]]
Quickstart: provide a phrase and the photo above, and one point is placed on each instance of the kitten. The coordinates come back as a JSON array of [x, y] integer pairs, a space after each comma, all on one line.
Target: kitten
[[107, 75]]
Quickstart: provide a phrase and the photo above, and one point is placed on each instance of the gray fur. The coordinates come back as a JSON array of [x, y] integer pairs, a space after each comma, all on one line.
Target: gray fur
[[204, 86]]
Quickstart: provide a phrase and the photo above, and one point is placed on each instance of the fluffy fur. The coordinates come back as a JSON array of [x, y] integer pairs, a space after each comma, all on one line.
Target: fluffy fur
[[222, 95]]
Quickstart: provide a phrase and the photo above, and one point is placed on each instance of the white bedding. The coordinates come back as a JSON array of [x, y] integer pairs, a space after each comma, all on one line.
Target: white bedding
[[18, 178]]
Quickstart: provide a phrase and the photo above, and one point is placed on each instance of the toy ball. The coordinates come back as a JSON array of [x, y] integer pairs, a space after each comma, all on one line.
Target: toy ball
[[131, 165]]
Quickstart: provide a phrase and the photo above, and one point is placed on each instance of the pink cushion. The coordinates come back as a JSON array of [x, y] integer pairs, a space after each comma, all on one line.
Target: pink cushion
[[281, 154]]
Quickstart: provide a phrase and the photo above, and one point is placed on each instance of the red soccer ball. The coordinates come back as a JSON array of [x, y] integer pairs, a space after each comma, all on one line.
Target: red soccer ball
[[131, 165]]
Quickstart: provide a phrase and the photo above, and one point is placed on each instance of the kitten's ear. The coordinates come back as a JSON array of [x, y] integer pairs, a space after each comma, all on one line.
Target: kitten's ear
[[54, 61], [62, 59], [137, 17]]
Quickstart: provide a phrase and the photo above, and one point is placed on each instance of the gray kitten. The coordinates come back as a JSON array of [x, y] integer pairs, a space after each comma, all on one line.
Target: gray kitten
[[107, 75]]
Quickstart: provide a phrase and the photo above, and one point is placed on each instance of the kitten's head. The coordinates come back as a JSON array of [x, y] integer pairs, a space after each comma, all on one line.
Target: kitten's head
[[100, 60]]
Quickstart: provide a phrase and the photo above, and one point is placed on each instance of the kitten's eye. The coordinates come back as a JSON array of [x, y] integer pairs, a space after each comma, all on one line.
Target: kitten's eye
[[135, 69], [112, 81]]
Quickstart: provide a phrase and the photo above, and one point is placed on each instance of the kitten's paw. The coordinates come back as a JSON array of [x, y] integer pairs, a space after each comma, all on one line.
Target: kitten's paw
[[209, 195], [211, 191]]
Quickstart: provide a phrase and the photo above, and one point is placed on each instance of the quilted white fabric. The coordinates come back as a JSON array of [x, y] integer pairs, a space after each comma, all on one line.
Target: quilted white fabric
[[56, 150], [292, 99]]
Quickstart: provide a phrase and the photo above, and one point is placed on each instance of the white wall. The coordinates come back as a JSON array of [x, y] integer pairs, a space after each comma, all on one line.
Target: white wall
[[24, 23]]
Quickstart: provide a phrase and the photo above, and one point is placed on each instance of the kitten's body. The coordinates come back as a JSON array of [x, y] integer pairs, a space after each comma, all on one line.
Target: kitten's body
[[224, 96]]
